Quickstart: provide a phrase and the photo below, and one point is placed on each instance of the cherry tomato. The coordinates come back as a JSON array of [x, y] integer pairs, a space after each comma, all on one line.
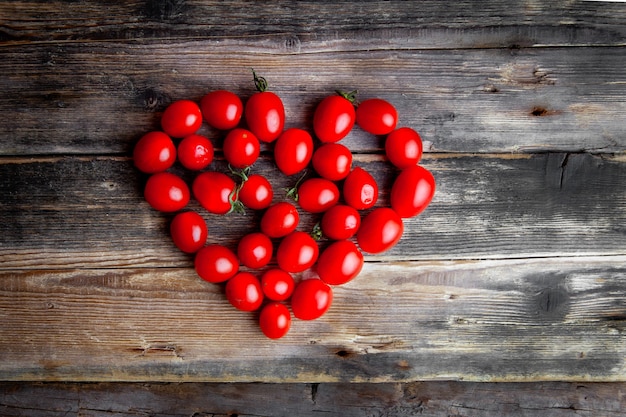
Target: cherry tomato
[[280, 219], [166, 192], [255, 250], [340, 222], [360, 189], [340, 262], [222, 109], [275, 320], [195, 152], [241, 148], [380, 230], [317, 195], [293, 151], [155, 152], [403, 147], [332, 161], [244, 292], [277, 284], [377, 116], [189, 231], [256, 192], [412, 191], [216, 263], [181, 118], [214, 190], [333, 118], [265, 113], [297, 252], [311, 299]]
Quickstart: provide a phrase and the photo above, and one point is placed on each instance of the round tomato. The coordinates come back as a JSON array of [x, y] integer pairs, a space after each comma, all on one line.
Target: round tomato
[[380, 230], [280, 219], [317, 195], [277, 284], [166, 192], [244, 292], [241, 148], [275, 320], [155, 152], [256, 192], [221, 109], [340, 222], [255, 250], [403, 147], [297, 252], [360, 189], [216, 263], [340, 262], [265, 112], [412, 191], [195, 152], [189, 231], [333, 118], [377, 116], [293, 151], [181, 118], [214, 191], [311, 299], [332, 161]]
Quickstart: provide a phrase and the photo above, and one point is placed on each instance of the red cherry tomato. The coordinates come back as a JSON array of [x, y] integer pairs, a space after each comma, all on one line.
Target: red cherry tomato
[[155, 152], [195, 152], [332, 161], [360, 189], [293, 151], [244, 292], [297, 252], [403, 147], [222, 109], [277, 284], [380, 230], [166, 192], [333, 118], [340, 262], [216, 263], [214, 190], [265, 113], [340, 222], [311, 299], [275, 320], [255, 250], [189, 231], [280, 219], [256, 192], [377, 116], [412, 191], [181, 118], [241, 148], [317, 195]]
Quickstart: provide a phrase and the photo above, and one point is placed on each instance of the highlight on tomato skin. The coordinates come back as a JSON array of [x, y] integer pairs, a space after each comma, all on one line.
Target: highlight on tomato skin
[[412, 191], [311, 299], [404, 147], [181, 118], [244, 291], [189, 231], [166, 192], [380, 230], [216, 263], [154, 152], [340, 263], [376, 116], [275, 320]]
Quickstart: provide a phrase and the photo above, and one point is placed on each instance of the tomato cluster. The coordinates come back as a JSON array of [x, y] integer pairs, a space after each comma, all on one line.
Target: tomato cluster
[[266, 268]]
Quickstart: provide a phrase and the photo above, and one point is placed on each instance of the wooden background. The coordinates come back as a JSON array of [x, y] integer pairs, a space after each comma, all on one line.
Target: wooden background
[[513, 280]]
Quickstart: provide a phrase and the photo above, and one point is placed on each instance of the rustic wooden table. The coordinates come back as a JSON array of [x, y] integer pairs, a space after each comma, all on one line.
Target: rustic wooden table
[[505, 297]]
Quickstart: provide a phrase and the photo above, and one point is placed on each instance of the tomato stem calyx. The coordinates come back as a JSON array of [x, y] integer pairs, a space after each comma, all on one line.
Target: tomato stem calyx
[[292, 192], [348, 95], [259, 82], [317, 233]]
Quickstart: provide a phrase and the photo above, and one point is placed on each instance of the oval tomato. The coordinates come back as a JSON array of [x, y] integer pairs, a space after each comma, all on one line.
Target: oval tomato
[[277, 284], [380, 230], [256, 192], [214, 191], [360, 189], [154, 152], [244, 292], [222, 109], [241, 148], [216, 263], [181, 118], [376, 116], [280, 219], [311, 299], [195, 152], [332, 161], [189, 231], [297, 252], [264, 112], [316, 195], [340, 222], [255, 250], [333, 118], [340, 262], [166, 192], [404, 147], [293, 151], [412, 191], [275, 320]]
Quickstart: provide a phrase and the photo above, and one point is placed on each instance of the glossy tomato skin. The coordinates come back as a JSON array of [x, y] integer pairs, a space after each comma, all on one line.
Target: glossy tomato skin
[[195, 152], [277, 284], [311, 299], [181, 118], [317, 195], [280, 219], [216, 263], [241, 148], [412, 191], [360, 189], [339, 263], [333, 118], [154, 152], [275, 320], [404, 147], [255, 250], [376, 116], [293, 151], [340, 222], [297, 252], [332, 161], [244, 292], [166, 192], [380, 230], [189, 231], [222, 109], [214, 190], [256, 193], [265, 115]]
